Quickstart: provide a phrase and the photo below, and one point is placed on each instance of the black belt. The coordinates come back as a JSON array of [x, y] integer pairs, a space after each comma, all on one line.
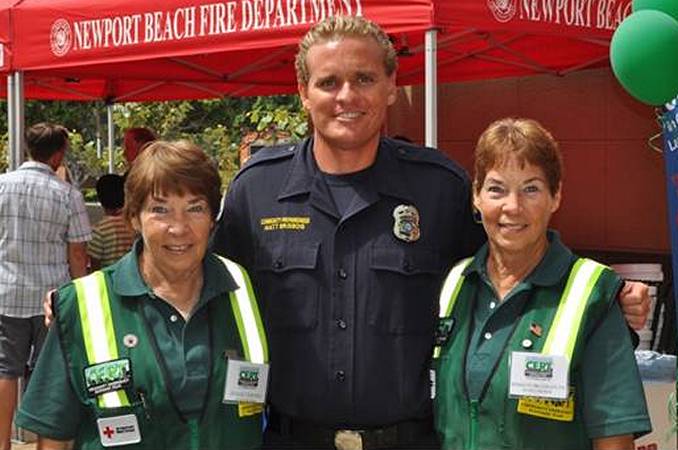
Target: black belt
[[372, 438]]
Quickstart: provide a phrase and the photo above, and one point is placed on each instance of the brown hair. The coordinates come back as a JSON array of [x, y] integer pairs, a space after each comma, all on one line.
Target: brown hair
[[44, 140], [171, 168], [524, 139], [336, 27]]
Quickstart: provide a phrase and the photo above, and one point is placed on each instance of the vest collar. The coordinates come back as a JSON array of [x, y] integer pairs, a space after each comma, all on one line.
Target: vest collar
[[551, 269], [127, 280]]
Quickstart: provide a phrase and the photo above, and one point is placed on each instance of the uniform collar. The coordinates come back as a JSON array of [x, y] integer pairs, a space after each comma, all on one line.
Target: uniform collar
[[386, 177], [127, 280], [553, 266]]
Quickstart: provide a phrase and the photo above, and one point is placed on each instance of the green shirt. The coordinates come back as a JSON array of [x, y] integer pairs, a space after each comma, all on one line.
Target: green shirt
[[608, 350], [50, 408]]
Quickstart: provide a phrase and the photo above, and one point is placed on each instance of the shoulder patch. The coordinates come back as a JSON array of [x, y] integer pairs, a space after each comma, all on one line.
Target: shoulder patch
[[406, 151]]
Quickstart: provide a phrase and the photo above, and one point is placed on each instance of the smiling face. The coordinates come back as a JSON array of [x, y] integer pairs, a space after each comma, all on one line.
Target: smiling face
[[516, 205], [347, 94], [175, 231]]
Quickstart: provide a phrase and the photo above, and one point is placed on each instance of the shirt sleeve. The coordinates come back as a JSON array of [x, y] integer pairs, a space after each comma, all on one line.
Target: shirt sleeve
[[79, 229], [49, 407], [612, 392]]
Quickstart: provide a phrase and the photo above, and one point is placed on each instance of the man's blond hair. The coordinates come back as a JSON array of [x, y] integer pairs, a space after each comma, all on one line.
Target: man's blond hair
[[336, 27]]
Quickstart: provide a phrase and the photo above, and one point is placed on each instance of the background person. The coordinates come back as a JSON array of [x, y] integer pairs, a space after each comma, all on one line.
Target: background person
[[134, 141], [113, 236], [514, 299], [43, 232], [171, 321], [348, 236]]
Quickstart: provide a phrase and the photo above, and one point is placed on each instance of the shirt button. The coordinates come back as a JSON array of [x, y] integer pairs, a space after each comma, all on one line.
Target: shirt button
[[340, 375], [173, 318], [492, 305], [341, 324], [342, 274], [487, 336], [278, 264]]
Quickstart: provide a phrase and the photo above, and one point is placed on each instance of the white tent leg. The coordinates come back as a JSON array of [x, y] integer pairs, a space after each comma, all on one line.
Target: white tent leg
[[11, 123], [109, 111], [16, 116], [431, 90]]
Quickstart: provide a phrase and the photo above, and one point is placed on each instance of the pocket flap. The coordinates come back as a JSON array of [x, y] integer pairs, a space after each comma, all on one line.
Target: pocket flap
[[406, 261], [289, 256]]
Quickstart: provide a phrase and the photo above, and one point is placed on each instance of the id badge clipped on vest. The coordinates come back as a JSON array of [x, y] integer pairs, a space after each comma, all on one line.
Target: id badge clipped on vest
[[541, 382], [246, 385]]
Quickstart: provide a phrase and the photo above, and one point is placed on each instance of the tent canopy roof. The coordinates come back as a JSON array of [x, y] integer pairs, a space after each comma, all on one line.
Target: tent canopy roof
[[126, 50]]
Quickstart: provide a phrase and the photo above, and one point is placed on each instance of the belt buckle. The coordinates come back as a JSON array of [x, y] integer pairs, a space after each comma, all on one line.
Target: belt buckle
[[348, 440]]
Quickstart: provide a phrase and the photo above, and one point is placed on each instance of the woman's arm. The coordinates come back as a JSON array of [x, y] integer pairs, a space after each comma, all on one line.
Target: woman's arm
[[621, 442], [50, 444]]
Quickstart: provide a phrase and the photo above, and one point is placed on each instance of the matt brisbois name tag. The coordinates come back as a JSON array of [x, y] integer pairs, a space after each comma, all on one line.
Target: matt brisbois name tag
[[537, 375], [245, 382], [119, 430]]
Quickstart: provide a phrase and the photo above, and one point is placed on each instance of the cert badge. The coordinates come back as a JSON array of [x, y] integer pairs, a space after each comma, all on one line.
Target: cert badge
[[443, 331], [246, 382], [108, 376], [119, 430], [538, 375], [406, 223]]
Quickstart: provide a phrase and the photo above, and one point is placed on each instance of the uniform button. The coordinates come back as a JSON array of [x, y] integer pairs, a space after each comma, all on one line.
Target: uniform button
[[492, 305], [487, 336], [278, 264], [173, 318], [342, 274], [341, 324], [407, 267], [340, 375]]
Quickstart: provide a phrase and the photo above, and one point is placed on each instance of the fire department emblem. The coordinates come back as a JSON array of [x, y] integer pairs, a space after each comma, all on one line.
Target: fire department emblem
[[406, 223], [502, 10], [61, 37]]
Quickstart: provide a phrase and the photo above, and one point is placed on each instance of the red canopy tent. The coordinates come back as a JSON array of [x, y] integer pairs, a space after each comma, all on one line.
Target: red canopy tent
[[126, 50]]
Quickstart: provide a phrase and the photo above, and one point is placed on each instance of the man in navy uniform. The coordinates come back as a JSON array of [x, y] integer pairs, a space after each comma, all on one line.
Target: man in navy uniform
[[347, 236]]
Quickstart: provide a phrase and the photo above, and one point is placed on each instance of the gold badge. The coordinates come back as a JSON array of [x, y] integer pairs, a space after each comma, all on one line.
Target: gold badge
[[406, 223]]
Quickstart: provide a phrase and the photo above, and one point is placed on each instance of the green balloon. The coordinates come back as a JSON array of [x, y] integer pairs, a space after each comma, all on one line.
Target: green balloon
[[644, 56], [669, 7]]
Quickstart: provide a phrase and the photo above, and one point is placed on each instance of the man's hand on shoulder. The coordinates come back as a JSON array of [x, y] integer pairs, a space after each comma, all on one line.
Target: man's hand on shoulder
[[634, 299]]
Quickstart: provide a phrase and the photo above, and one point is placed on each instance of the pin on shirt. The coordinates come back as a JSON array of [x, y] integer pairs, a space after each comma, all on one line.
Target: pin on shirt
[[406, 223]]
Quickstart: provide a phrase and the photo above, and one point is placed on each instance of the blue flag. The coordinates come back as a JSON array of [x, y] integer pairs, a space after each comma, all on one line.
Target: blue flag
[[670, 131]]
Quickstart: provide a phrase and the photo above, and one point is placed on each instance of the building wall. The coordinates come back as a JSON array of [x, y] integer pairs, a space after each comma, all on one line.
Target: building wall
[[614, 189]]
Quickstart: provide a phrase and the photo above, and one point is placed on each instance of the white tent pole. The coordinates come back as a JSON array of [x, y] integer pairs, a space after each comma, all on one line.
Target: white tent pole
[[430, 90], [11, 123], [109, 111], [19, 117]]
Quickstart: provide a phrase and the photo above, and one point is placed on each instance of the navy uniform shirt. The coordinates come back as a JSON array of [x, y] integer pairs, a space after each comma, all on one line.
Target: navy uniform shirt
[[349, 306]]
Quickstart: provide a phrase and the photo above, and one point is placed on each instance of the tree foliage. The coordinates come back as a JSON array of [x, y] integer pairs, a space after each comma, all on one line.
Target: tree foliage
[[218, 126]]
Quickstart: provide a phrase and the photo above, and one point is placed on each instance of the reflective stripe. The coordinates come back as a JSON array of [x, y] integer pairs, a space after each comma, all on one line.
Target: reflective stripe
[[98, 331], [246, 312], [451, 288], [567, 321], [450, 292]]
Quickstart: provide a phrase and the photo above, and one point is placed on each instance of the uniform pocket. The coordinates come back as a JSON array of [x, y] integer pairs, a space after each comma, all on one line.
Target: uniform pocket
[[404, 284], [289, 287]]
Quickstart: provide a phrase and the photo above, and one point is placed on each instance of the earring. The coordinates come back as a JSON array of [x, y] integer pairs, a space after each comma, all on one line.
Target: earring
[[477, 217]]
